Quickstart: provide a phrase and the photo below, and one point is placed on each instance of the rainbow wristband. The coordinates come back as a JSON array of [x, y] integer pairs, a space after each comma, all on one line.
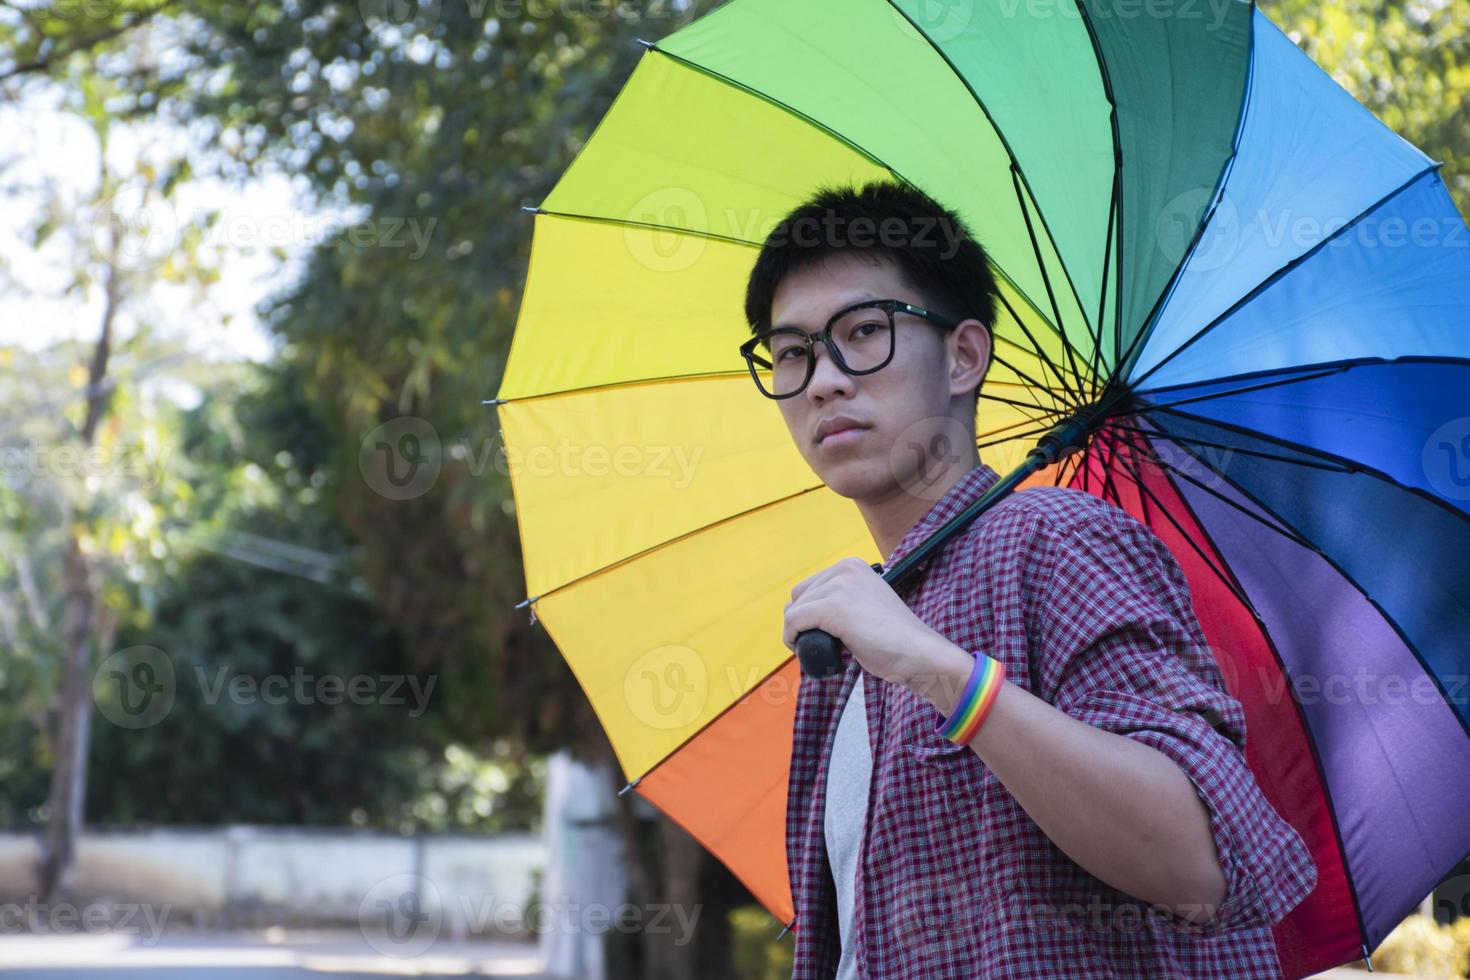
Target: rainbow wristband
[[976, 701]]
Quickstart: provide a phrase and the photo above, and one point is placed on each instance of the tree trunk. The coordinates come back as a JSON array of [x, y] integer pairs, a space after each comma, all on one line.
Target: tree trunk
[[67, 796]]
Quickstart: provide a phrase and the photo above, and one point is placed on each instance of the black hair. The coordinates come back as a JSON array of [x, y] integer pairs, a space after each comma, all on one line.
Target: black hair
[[934, 250]]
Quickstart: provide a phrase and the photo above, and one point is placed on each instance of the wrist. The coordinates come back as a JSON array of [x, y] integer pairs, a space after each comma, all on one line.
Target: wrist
[[944, 670]]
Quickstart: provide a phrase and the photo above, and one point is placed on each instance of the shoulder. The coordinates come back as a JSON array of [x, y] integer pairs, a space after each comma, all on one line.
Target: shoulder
[[1053, 515], [1038, 530]]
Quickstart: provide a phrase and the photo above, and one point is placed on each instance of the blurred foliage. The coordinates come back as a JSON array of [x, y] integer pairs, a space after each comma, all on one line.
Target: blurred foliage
[[755, 956], [1407, 60], [1421, 947]]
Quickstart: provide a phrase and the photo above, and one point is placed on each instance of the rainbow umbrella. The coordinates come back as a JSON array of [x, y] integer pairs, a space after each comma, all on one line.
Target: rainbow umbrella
[[1253, 296]]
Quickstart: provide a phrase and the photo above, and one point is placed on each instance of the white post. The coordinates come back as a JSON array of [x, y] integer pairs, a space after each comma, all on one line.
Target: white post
[[585, 881]]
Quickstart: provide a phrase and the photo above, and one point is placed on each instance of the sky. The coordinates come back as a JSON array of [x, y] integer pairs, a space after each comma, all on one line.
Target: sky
[[53, 160]]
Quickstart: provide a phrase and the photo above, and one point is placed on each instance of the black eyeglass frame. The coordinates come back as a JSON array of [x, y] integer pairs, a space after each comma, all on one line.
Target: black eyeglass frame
[[889, 306]]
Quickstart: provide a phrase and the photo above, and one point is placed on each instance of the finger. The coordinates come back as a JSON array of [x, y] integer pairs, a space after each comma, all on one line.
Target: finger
[[802, 616], [839, 569]]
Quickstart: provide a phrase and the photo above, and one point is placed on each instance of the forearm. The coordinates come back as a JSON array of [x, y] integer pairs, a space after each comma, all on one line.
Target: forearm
[[1123, 811]]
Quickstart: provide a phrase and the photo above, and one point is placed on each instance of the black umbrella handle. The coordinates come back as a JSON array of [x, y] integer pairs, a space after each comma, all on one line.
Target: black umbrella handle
[[820, 652]]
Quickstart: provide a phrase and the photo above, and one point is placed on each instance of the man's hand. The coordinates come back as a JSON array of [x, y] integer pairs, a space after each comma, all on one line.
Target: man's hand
[[854, 604]]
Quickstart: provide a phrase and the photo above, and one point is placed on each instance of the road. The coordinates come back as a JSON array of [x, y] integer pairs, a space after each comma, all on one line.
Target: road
[[271, 955]]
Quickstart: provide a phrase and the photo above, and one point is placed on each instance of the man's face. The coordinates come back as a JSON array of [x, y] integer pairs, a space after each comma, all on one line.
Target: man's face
[[899, 409]]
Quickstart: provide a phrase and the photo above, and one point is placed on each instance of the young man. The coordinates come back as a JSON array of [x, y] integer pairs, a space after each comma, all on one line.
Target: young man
[[1101, 821]]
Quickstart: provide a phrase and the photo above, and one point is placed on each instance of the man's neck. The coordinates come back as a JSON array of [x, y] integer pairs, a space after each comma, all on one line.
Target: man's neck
[[890, 519]]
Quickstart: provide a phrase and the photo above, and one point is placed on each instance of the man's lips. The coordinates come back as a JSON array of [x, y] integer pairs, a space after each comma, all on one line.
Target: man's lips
[[842, 435]]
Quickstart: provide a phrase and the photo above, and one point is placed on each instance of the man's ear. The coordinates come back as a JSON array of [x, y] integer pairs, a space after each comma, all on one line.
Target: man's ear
[[971, 351]]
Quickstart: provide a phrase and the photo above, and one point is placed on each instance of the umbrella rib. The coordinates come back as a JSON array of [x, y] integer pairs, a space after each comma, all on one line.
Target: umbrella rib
[[1164, 406], [1236, 449], [667, 543], [1072, 398], [1023, 406], [1284, 530], [1045, 279], [664, 379], [630, 223], [1107, 84], [779, 104], [1017, 435], [709, 376], [1030, 380], [1035, 345], [1096, 361], [1343, 364], [1108, 484], [1136, 478], [1350, 465], [1274, 277], [633, 783]]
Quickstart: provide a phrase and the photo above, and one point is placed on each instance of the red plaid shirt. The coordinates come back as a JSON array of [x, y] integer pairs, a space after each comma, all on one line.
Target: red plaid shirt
[[1088, 610]]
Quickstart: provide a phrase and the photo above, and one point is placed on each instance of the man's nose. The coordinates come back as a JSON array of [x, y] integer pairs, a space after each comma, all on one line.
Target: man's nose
[[827, 378]]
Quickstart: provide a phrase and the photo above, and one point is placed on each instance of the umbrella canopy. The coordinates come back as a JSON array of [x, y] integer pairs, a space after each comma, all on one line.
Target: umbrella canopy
[[1256, 292]]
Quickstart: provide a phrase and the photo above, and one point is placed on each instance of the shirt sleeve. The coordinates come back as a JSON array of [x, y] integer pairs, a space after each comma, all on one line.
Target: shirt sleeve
[[1119, 647]]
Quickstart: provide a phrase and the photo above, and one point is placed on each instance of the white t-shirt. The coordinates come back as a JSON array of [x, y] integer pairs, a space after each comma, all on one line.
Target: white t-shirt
[[849, 773]]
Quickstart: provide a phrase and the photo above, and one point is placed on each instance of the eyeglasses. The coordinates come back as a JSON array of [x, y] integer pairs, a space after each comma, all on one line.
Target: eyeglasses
[[859, 338]]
